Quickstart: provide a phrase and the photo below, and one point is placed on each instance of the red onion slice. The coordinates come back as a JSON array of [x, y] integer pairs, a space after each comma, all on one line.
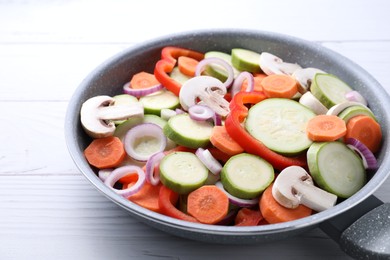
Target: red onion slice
[[179, 111], [355, 97], [121, 172], [200, 112], [217, 119], [209, 161], [244, 203], [245, 75], [369, 160], [141, 92], [144, 140], [204, 113], [214, 60], [154, 160]]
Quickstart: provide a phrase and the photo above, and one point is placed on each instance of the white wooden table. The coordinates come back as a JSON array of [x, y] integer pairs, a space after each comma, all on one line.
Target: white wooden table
[[48, 210]]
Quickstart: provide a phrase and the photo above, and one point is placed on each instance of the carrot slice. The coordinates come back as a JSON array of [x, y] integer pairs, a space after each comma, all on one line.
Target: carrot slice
[[143, 80], [167, 200], [208, 204], [222, 140], [130, 178], [279, 86], [147, 196], [187, 65], [325, 128], [107, 152], [273, 212], [365, 129], [248, 217], [258, 78]]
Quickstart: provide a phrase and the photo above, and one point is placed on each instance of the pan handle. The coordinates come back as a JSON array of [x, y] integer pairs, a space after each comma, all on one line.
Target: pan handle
[[363, 232]]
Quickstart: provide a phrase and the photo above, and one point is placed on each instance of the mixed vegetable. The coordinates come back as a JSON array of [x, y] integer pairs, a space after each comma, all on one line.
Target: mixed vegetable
[[240, 138]]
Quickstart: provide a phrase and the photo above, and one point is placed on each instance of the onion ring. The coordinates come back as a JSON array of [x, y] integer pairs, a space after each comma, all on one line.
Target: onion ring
[[244, 203], [245, 75], [134, 136], [150, 165], [369, 160], [141, 92], [121, 172], [209, 161], [200, 112], [205, 62]]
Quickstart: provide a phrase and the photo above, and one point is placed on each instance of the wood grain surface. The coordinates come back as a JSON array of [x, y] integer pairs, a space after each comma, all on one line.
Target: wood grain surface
[[48, 210]]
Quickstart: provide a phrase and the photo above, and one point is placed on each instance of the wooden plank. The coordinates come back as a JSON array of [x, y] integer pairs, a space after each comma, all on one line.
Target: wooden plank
[[63, 217], [48, 209], [135, 21], [33, 141], [44, 72]]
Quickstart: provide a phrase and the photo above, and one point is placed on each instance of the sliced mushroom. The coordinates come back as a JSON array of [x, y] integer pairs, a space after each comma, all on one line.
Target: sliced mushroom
[[310, 101], [271, 64], [294, 186], [305, 78], [214, 100], [199, 86], [98, 112]]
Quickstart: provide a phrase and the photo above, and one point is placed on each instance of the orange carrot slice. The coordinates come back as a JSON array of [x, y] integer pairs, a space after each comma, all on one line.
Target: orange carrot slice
[[107, 152], [143, 80], [258, 78], [130, 178], [187, 65], [147, 197], [248, 217], [325, 128], [274, 213], [208, 204], [279, 86], [222, 140], [365, 129]]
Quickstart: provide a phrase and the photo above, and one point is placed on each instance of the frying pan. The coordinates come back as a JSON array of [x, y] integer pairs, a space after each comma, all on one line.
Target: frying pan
[[360, 224]]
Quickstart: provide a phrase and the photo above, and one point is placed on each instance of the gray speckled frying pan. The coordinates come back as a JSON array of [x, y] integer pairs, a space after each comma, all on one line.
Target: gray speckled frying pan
[[344, 222]]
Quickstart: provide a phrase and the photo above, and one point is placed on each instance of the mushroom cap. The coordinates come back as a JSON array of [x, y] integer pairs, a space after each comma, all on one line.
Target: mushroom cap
[[98, 112], [294, 186], [305, 77], [271, 64], [192, 89], [92, 124]]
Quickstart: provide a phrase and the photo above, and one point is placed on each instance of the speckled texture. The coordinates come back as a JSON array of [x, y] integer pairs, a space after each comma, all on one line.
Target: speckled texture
[[369, 237], [109, 78]]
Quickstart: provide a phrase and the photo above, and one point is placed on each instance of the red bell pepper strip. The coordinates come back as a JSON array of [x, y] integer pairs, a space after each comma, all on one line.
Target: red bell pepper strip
[[238, 113], [167, 200], [161, 72], [165, 66], [172, 53]]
